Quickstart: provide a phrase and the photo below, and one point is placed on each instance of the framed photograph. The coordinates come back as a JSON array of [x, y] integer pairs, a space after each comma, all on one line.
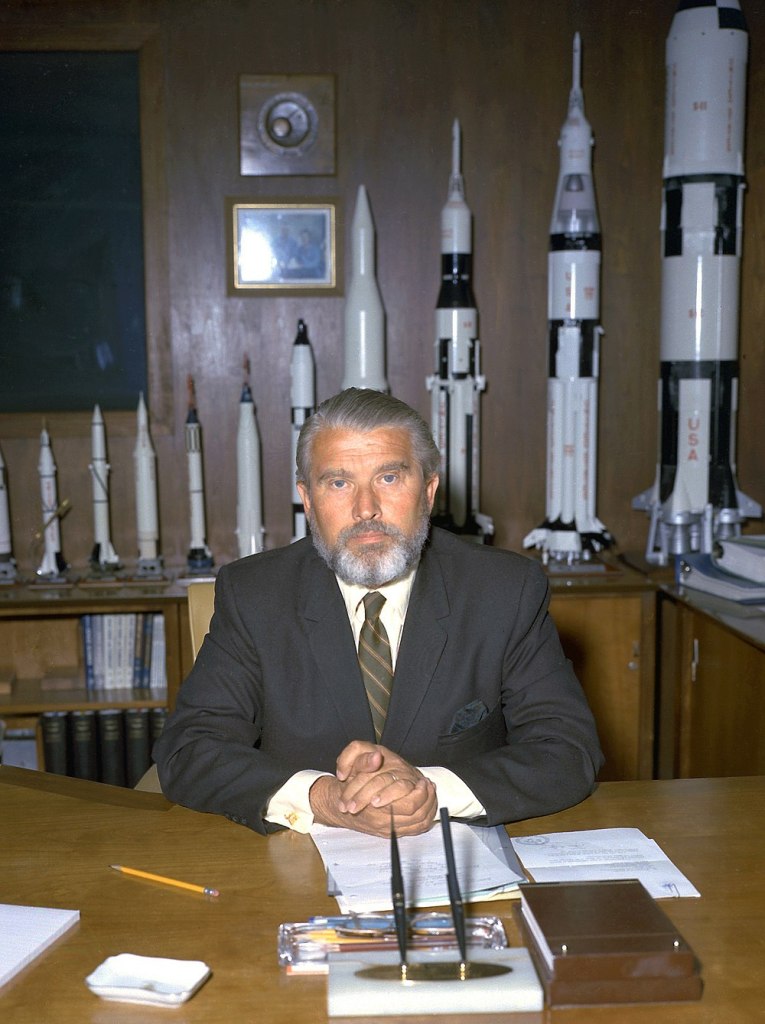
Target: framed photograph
[[287, 248]]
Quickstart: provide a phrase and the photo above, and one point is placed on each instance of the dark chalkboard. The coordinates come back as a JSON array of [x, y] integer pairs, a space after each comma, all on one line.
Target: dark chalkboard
[[72, 313]]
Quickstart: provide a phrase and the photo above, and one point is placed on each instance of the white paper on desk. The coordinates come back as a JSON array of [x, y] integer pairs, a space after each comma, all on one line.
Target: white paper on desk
[[360, 867], [26, 931], [602, 853]]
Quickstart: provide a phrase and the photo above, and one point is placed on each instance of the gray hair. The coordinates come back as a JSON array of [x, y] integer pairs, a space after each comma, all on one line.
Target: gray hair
[[363, 410]]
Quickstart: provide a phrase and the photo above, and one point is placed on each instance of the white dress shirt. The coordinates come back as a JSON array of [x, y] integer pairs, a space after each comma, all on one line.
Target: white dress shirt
[[291, 805]]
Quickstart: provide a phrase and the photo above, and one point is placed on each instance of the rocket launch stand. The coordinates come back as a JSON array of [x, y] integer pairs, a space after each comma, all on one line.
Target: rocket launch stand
[[150, 568], [8, 571]]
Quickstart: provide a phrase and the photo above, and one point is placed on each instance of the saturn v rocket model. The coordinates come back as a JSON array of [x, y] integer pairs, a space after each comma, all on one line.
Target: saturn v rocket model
[[571, 531], [457, 382], [695, 499]]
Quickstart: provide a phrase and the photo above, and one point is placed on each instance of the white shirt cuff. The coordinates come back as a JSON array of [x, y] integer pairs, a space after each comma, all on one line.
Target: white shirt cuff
[[291, 805], [454, 794]]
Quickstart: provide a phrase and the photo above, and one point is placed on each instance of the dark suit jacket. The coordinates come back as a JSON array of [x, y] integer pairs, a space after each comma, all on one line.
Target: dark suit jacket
[[276, 686]]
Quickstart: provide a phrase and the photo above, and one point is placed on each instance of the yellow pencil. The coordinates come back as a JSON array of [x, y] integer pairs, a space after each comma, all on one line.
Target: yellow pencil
[[166, 881]]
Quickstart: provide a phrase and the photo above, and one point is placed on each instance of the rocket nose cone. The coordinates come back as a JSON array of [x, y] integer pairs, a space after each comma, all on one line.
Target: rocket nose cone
[[362, 215]]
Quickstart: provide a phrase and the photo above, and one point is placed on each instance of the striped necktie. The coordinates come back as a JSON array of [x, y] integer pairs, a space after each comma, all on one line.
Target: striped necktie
[[375, 660]]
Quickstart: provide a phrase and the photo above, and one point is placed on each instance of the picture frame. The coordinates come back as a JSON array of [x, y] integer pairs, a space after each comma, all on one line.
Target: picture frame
[[283, 247]]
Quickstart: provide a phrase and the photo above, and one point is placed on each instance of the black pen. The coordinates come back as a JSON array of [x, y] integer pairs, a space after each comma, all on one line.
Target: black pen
[[397, 892], [455, 897]]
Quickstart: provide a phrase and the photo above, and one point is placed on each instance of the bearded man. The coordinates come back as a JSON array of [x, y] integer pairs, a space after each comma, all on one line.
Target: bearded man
[[378, 666]]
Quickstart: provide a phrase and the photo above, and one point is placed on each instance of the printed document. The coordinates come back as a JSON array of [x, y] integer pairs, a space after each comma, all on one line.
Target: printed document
[[360, 867], [602, 853]]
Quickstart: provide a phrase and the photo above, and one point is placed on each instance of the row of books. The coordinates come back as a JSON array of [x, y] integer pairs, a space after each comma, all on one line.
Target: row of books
[[124, 650], [734, 570], [107, 745]]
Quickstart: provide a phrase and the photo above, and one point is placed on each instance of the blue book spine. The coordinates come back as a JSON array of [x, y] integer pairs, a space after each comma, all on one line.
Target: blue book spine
[[87, 650]]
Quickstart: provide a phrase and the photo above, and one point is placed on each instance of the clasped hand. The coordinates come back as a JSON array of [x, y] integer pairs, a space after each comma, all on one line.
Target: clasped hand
[[370, 782]]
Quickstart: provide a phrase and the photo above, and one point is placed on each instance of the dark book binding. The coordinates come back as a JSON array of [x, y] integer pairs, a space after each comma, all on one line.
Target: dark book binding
[[84, 745], [137, 744], [111, 742], [158, 719], [605, 942], [54, 726]]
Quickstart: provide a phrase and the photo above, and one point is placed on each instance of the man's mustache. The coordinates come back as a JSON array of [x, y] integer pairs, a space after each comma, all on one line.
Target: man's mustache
[[369, 526]]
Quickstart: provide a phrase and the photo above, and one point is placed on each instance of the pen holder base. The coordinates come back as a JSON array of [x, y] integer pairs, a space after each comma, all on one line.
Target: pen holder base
[[371, 984]]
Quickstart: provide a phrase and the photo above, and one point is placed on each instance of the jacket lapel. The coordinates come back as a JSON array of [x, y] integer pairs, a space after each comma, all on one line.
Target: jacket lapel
[[331, 641], [422, 643]]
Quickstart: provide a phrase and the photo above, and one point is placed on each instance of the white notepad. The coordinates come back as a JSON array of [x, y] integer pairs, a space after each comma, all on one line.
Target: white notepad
[[25, 932]]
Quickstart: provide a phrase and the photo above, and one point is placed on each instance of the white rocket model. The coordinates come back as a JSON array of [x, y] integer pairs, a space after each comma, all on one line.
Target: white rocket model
[[147, 517], [571, 531], [303, 401], [695, 497], [7, 561], [103, 557], [53, 564], [249, 508], [199, 557], [364, 315], [457, 382]]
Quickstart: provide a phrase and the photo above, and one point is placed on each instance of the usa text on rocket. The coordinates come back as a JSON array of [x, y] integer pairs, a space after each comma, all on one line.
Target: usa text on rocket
[[695, 498]]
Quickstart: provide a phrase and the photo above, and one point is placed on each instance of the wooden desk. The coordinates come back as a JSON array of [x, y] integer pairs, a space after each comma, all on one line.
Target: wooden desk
[[59, 836]]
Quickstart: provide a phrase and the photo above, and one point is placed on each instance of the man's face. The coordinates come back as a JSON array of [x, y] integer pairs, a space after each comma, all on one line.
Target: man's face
[[368, 506]]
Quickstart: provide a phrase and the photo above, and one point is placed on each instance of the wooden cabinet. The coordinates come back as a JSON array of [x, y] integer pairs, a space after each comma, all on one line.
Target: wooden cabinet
[[41, 637], [711, 688], [606, 623]]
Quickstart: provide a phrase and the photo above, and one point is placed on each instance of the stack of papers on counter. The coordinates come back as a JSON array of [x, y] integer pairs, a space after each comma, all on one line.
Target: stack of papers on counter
[[360, 867], [602, 853]]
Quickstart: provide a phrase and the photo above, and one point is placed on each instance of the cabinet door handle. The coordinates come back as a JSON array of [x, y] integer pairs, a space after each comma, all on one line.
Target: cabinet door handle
[[694, 659], [634, 663]]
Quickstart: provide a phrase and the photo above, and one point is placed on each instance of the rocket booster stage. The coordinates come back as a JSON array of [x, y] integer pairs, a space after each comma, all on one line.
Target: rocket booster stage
[[199, 556], [457, 382], [7, 561], [695, 498], [303, 401], [147, 514], [53, 564], [364, 313], [103, 555], [571, 529], [249, 504]]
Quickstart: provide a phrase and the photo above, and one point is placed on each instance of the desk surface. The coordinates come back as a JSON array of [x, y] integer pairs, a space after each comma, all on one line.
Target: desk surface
[[59, 836]]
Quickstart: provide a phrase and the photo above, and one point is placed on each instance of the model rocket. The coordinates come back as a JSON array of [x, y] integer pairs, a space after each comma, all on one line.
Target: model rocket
[[695, 498], [249, 508], [53, 564], [103, 556], [199, 556], [457, 382], [7, 561], [571, 531], [147, 517], [303, 400], [364, 315]]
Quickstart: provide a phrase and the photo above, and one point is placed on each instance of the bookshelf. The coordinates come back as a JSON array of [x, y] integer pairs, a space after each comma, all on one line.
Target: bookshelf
[[42, 651]]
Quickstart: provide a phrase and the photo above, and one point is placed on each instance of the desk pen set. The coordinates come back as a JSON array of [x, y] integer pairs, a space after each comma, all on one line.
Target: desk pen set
[[425, 963]]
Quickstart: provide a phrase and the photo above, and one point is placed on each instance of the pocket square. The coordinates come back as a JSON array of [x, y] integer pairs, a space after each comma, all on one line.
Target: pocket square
[[468, 716]]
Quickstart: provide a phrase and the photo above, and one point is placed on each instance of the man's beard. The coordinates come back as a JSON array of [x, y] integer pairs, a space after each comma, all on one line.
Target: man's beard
[[374, 565]]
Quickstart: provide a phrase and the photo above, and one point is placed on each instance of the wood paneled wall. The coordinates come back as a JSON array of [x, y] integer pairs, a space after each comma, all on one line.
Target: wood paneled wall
[[405, 69]]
